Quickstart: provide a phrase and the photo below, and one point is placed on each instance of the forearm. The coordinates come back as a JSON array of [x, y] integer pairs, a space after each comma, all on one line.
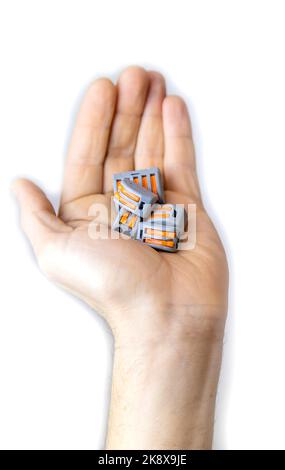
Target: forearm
[[163, 394]]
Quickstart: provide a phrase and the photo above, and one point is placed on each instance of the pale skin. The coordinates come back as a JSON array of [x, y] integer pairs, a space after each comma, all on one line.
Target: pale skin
[[166, 310]]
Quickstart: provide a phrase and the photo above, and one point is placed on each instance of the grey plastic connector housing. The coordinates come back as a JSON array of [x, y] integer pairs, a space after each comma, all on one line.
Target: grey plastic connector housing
[[126, 222], [134, 198], [163, 228], [173, 215], [149, 178]]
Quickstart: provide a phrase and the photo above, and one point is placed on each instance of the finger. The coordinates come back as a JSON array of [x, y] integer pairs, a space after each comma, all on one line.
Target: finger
[[132, 91], [38, 218], [149, 148], [84, 165], [179, 155], [81, 210]]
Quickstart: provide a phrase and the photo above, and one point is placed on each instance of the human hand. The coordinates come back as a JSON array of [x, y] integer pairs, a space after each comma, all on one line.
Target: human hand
[[131, 125], [166, 310]]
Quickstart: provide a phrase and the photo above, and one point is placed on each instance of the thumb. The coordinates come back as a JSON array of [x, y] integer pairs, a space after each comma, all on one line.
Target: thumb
[[38, 218]]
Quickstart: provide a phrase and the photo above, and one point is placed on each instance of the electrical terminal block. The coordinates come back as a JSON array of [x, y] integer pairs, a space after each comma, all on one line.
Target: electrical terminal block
[[163, 228], [169, 214], [149, 178], [134, 198], [126, 222], [165, 240], [142, 213]]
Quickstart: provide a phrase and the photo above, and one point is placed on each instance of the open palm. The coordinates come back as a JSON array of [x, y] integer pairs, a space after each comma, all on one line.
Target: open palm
[[131, 125]]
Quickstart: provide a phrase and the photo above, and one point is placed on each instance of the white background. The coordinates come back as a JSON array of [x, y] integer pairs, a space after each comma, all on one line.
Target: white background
[[226, 58]]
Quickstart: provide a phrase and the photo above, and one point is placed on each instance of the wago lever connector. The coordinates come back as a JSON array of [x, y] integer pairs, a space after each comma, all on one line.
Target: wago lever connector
[[172, 215], [149, 178], [141, 212], [134, 198], [163, 228], [126, 223]]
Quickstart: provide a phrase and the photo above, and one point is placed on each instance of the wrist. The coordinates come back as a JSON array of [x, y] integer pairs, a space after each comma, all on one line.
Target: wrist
[[164, 392], [168, 325]]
